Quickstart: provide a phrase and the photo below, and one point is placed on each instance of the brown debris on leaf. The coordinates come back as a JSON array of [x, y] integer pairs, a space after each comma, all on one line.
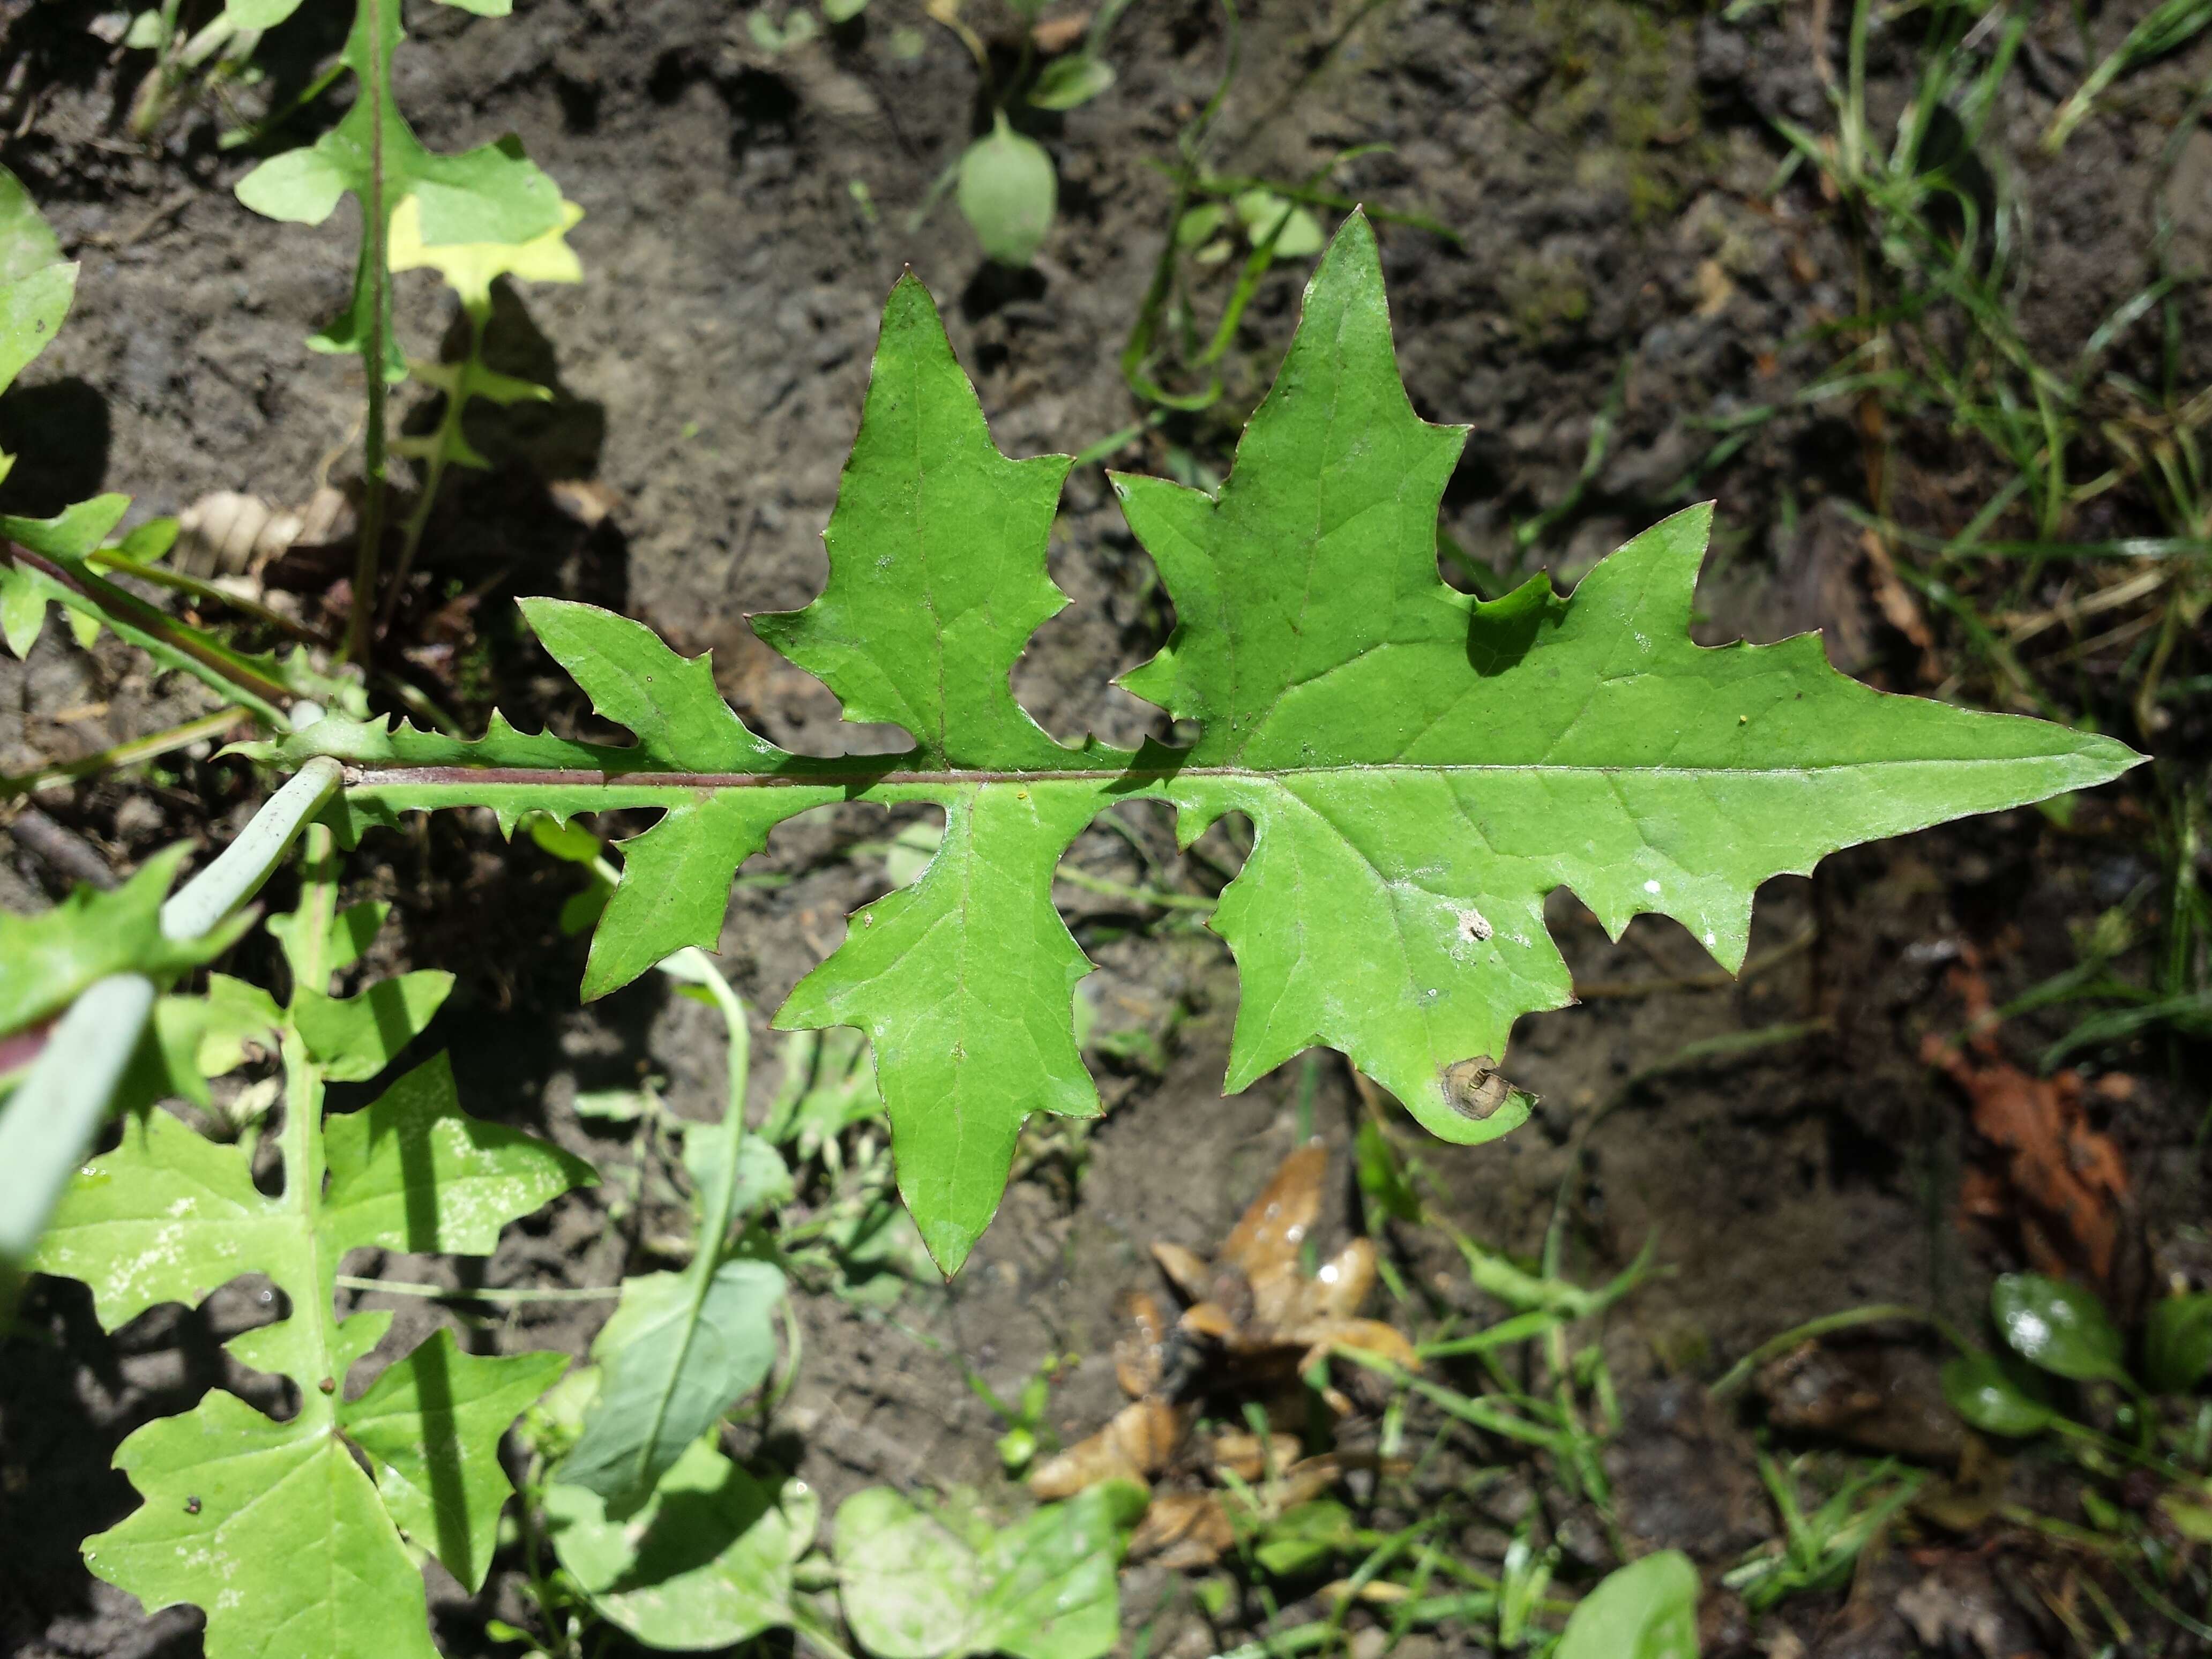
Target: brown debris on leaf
[[1254, 1322], [2049, 1175]]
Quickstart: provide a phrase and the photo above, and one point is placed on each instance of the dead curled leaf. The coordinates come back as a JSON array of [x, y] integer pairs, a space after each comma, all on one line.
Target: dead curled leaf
[[1256, 1320], [1136, 1446], [227, 533], [1183, 1529], [2059, 1180]]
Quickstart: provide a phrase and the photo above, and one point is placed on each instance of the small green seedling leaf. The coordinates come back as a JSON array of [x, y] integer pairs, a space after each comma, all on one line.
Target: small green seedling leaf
[[1198, 225], [843, 11], [492, 194], [1042, 1589], [1069, 82], [706, 1563], [1995, 1398], [47, 959], [355, 1037], [670, 1368], [2062, 1329], [796, 30], [1304, 1537], [1007, 193], [828, 1086], [1646, 1610], [2177, 1343], [1261, 210]]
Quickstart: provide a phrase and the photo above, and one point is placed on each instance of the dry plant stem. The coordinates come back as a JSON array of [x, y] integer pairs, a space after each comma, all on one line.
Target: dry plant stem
[[376, 229], [63, 851], [161, 576], [125, 754], [1875, 1314]]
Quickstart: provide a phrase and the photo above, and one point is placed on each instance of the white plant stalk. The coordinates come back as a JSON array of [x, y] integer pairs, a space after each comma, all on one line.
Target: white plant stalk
[[52, 1117]]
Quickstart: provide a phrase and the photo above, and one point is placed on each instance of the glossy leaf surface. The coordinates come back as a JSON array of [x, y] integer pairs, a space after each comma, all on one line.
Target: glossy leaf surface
[[1995, 1398], [2059, 1328]]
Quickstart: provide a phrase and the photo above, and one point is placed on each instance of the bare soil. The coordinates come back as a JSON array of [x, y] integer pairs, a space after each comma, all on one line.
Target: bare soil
[[1606, 167]]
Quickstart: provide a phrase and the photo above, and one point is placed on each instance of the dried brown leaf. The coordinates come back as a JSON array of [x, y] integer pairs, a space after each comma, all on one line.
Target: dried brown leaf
[[2063, 1180], [1368, 1336], [1140, 1355], [1185, 1269], [1183, 1529], [1249, 1457], [1266, 1238], [1136, 1444]]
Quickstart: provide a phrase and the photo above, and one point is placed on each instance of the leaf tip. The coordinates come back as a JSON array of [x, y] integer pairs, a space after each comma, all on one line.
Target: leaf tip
[[948, 1241]]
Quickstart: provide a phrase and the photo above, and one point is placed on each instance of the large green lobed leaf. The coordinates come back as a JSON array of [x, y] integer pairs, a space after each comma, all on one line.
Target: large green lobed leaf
[[275, 1528], [1420, 768]]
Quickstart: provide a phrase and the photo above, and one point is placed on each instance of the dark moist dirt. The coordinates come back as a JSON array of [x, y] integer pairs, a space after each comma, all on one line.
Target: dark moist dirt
[[1606, 167]]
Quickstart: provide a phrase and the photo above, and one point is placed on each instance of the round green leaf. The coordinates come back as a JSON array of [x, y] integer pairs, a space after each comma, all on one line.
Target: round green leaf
[[1994, 1399], [909, 1585], [1007, 194], [1647, 1610], [1067, 82], [1198, 223], [2178, 1344], [705, 1564], [302, 186], [843, 11], [1301, 236], [2062, 1329]]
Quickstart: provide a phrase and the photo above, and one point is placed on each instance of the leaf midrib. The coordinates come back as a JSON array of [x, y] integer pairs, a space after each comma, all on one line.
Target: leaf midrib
[[361, 777]]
